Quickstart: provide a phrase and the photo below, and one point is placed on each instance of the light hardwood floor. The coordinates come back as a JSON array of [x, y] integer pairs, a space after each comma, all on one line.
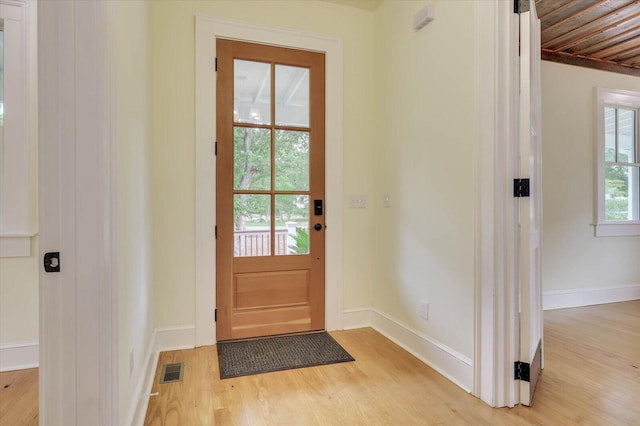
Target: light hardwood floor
[[591, 377], [19, 398]]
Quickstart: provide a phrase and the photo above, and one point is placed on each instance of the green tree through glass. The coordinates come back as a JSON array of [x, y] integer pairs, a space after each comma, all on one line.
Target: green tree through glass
[[252, 171]]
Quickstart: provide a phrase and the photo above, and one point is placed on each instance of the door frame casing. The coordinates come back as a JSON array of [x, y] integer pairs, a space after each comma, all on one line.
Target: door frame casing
[[78, 380], [207, 30], [496, 284]]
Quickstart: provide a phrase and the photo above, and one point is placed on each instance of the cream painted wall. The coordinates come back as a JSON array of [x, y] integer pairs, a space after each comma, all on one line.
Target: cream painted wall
[[424, 144], [135, 281], [573, 257], [19, 298], [173, 135], [19, 304]]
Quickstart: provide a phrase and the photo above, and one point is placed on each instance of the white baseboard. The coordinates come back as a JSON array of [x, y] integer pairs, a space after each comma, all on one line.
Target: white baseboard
[[140, 400], [451, 364], [446, 361], [356, 318], [19, 356], [586, 297], [175, 338], [163, 339]]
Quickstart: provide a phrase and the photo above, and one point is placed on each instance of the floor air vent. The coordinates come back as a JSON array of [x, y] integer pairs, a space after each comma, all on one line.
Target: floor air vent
[[172, 373]]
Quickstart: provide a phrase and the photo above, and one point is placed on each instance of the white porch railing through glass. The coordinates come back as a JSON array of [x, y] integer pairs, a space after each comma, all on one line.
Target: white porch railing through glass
[[257, 241]]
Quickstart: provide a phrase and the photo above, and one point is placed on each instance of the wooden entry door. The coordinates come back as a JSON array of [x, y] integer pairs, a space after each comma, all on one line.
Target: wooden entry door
[[270, 190]]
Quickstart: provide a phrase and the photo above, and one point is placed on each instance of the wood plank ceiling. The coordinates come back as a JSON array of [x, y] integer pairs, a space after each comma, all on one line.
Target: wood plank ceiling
[[601, 34]]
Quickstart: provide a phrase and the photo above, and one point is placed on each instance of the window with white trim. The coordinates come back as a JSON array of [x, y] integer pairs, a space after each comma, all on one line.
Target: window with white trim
[[15, 232], [618, 154]]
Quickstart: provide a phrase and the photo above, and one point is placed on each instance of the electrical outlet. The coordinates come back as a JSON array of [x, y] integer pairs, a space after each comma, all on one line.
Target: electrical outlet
[[424, 310], [131, 362]]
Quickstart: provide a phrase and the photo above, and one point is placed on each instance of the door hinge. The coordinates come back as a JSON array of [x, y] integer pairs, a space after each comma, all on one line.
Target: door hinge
[[215, 315], [521, 371], [215, 148], [520, 187], [216, 232], [520, 6], [216, 65]]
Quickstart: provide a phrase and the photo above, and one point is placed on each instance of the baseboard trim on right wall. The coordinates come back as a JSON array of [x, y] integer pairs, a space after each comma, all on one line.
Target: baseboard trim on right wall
[[446, 361], [589, 296]]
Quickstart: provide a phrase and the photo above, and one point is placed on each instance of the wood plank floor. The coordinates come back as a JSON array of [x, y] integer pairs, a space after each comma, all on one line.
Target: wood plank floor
[[19, 398], [591, 377], [592, 365]]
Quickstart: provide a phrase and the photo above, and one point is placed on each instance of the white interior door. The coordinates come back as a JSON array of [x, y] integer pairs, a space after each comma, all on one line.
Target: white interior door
[[530, 208]]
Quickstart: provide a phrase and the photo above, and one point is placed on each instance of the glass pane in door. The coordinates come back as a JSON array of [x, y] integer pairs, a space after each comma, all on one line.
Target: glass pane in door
[[251, 225], [292, 160], [292, 224], [292, 96], [251, 158], [251, 92]]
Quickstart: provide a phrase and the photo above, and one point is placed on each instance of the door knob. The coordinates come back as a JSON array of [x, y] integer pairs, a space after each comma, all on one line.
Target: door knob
[[317, 227]]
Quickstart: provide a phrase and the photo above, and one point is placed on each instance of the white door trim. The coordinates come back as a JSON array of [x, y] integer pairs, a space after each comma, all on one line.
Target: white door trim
[[207, 29], [496, 327], [78, 305]]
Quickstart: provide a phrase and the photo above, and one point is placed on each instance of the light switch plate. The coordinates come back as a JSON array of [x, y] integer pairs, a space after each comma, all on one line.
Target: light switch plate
[[357, 201]]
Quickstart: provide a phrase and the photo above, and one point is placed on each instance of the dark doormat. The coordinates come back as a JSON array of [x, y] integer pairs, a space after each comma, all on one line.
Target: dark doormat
[[262, 355]]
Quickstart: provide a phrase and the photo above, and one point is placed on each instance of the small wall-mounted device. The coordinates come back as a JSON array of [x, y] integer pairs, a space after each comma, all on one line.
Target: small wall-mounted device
[[424, 16], [52, 262]]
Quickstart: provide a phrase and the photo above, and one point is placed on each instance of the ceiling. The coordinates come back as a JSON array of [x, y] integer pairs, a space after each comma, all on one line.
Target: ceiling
[[601, 34]]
